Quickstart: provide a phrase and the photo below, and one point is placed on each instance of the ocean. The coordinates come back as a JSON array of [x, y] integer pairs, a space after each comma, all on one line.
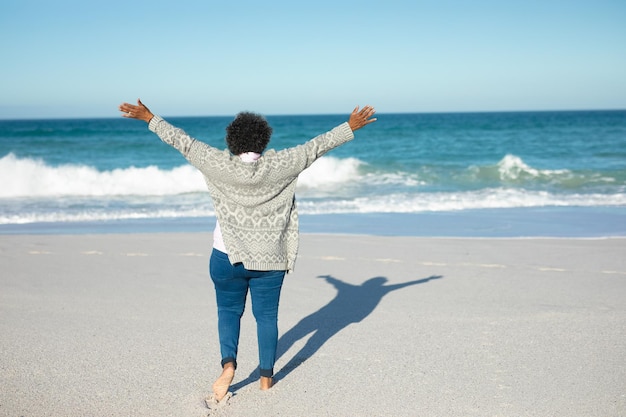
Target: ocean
[[509, 174]]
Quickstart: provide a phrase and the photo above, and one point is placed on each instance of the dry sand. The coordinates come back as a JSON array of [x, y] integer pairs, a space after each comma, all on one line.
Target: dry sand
[[125, 325]]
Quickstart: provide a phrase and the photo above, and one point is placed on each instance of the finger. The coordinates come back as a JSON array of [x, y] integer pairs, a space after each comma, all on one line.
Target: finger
[[127, 107], [366, 110], [129, 111]]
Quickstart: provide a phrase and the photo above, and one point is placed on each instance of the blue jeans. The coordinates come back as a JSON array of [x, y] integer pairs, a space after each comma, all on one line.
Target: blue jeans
[[231, 288]]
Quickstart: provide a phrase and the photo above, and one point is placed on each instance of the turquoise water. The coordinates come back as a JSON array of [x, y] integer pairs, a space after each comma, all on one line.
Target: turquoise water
[[467, 174]]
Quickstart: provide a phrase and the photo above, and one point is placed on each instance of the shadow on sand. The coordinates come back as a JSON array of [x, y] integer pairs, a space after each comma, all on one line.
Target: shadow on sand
[[352, 304]]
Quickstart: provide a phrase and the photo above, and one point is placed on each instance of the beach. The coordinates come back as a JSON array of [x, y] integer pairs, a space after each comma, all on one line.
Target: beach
[[125, 325]]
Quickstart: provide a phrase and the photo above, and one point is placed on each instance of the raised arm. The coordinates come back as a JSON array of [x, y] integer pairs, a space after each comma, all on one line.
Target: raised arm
[[139, 112], [169, 134], [300, 157]]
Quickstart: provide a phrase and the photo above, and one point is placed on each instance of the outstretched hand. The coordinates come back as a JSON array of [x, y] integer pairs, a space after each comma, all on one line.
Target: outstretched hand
[[360, 118], [139, 112]]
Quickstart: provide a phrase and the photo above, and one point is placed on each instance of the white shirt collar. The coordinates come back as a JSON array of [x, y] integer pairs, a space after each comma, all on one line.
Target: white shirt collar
[[249, 156]]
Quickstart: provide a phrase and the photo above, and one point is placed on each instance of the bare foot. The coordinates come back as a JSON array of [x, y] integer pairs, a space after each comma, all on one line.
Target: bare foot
[[221, 385], [266, 383]]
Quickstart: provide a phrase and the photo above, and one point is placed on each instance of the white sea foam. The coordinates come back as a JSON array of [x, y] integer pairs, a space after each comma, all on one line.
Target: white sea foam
[[512, 167], [329, 171], [196, 205], [34, 178], [34, 191], [501, 198], [95, 215]]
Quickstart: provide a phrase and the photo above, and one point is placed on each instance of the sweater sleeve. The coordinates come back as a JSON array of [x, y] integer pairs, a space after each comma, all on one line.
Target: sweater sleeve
[[302, 156], [171, 135], [195, 151]]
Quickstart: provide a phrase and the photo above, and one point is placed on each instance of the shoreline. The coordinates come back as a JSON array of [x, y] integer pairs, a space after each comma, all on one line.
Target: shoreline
[[593, 222]]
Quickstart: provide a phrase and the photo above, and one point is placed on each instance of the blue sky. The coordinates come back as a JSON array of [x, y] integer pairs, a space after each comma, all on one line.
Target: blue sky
[[81, 59]]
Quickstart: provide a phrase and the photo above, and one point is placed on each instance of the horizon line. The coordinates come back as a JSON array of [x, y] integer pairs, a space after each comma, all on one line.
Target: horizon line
[[31, 118]]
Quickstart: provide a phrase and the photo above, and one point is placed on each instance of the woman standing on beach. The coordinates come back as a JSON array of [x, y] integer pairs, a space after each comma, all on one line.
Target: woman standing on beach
[[256, 233]]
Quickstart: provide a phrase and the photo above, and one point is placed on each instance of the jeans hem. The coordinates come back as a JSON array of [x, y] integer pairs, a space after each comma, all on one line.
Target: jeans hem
[[229, 359]]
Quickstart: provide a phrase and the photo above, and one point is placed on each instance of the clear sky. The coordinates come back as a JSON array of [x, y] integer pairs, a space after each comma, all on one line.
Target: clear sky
[[67, 58]]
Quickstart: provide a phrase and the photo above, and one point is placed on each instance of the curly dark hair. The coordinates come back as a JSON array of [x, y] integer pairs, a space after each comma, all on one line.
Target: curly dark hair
[[248, 132]]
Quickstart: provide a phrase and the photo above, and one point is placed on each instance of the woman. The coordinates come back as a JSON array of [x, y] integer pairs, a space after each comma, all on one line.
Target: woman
[[256, 234]]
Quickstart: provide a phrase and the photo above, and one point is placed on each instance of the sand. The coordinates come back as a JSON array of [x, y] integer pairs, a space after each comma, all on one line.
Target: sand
[[125, 325]]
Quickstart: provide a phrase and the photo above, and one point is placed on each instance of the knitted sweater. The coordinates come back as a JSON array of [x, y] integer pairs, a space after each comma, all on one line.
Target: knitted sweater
[[254, 201]]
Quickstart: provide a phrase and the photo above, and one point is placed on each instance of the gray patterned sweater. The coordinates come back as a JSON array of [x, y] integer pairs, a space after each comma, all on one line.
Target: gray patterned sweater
[[254, 201]]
